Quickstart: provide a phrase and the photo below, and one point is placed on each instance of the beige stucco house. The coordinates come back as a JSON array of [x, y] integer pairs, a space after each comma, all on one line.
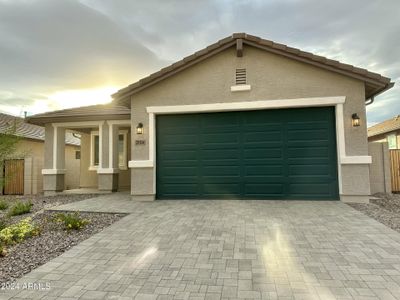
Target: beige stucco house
[[22, 173], [387, 131], [244, 118]]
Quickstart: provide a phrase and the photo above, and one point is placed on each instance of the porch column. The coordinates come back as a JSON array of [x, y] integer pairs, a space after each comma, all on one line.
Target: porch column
[[108, 165], [54, 159]]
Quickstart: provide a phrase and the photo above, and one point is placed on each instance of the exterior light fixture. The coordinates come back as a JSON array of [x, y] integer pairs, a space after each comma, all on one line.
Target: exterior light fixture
[[139, 128], [355, 120]]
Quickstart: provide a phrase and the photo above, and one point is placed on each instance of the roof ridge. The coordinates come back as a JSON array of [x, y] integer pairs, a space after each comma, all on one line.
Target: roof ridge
[[265, 44]]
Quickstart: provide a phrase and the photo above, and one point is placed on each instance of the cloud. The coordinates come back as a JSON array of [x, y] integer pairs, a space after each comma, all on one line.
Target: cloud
[[52, 46]]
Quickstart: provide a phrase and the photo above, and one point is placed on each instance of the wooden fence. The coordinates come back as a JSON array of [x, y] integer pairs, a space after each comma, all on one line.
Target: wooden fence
[[14, 177]]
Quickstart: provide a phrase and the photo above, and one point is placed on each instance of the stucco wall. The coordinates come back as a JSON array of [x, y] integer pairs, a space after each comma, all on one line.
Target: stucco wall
[[380, 176], [271, 77], [33, 152]]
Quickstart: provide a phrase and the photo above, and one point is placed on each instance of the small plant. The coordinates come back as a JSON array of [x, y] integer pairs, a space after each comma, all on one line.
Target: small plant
[[2, 251], [3, 223], [18, 232], [3, 205], [71, 221], [20, 208]]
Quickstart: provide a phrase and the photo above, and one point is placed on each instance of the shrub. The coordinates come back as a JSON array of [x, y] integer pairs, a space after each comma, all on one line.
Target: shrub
[[20, 208], [2, 251], [18, 232], [3, 205], [3, 223], [71, 221]]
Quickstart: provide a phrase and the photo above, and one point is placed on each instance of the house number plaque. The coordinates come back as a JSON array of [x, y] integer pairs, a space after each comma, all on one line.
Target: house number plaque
[[140, 142]]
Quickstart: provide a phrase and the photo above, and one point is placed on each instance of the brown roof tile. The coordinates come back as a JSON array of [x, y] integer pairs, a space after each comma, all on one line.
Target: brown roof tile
[[380, 83], [30, 131], [384, 127]]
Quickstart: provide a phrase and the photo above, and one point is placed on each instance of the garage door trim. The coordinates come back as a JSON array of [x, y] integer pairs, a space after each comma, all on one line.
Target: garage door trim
[[252, 105]]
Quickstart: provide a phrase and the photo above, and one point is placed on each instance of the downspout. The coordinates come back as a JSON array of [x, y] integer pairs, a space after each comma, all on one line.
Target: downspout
[[370, 100]]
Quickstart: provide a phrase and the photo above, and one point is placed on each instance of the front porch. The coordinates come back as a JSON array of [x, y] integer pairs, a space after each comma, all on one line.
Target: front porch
[[104, 131]]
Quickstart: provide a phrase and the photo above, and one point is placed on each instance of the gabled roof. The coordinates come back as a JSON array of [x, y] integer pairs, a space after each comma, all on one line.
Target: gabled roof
[[375, 83], [385, 127], [30, 131], [84, 113]]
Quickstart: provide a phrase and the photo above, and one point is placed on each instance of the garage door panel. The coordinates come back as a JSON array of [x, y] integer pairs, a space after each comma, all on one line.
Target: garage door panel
[[264, 189], [309, 189], [264, 170], [261, 153], [220, 170], [219, 162], [180, 189], [266, 154], [309, 152], [221, 189], [212, 154], [178, 155], [180, 171], [309, 170], [218, 138], [266, 137]]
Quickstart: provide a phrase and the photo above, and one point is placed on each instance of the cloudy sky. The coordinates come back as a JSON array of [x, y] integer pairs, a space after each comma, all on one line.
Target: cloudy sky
[[64, 53]]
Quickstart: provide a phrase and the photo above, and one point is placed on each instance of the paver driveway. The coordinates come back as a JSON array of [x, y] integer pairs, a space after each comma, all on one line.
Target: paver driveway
[[226, 249]]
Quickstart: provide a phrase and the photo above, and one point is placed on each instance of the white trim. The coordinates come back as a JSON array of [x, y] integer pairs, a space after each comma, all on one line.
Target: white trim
[[391, 135], [340, 142], [338, 102], [94, 133], [79, 124], [92, 166], [53, 171], [240, 87], [124, 164], [55, 150], [356, 160], [110, 145], [107, 171], [141, 164], [120, 122], [248, 105]]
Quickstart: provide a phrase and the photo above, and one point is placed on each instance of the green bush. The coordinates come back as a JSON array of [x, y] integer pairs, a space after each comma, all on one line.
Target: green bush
[[2, 251], [20, 208], [18, 232], [3, 205], [3, 223], [71, 221]]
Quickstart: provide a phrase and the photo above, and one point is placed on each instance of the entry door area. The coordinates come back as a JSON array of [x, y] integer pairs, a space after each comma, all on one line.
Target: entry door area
[[287, 154], [14, 177]]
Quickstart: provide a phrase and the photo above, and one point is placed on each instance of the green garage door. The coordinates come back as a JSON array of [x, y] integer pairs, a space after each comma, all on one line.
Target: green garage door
[[264, 154]]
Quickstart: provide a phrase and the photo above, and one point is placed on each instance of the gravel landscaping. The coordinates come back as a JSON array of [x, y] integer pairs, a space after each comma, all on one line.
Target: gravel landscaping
[[53, 239], [385, 209]]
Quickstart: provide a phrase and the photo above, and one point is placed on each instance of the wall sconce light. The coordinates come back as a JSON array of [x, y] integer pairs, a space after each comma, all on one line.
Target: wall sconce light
[[139, 128], [355, 120]]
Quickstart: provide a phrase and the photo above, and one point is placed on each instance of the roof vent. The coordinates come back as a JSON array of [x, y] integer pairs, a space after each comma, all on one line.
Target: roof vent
[[241, 76]]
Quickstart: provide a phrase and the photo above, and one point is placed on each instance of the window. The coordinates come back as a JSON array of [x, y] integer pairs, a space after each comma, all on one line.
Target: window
[[95, 150], [122, 149], [77, 154], [392, 141]]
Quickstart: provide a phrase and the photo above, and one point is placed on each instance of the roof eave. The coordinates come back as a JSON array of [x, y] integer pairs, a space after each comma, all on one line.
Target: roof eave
[[40, 120]]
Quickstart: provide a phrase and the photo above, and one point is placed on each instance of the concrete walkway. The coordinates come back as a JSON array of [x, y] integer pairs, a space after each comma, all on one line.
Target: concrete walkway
[[225, 250]]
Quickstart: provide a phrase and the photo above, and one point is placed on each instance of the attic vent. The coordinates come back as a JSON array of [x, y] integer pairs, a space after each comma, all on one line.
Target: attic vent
[[241, 76]]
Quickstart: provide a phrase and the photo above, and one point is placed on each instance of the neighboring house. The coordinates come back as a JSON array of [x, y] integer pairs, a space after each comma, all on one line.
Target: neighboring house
[[244, 118], [22, 172], [387, 131]]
